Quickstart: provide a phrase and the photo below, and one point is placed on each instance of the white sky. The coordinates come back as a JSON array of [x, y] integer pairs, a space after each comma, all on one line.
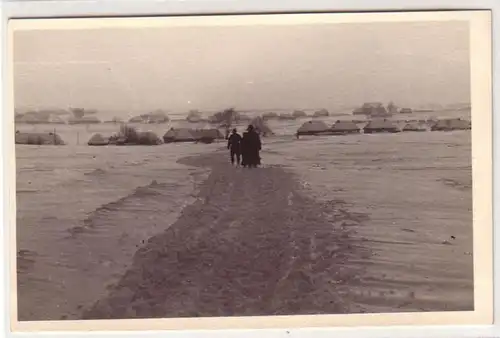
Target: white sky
[[260, 67]]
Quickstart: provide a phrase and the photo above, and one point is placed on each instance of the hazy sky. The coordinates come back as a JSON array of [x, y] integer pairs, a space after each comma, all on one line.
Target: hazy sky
[[261, 67]]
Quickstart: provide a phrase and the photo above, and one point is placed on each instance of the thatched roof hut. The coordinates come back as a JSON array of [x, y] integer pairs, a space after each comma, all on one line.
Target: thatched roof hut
[[414, 126], [210, 132], [129, 136], [52, 112], [380, 126], [359, 111], [136, 119], [261, 126], [208, 135], [345, 127], [39, 117], [299, 113], [38, 139], [313, 128], [179, 135], [286, 117], [84, 120], [431, 121], [321, 113], [98, 140], [451, 124], [79, 113], [30, 118], [270, 115], [148, 138], [156, 117]]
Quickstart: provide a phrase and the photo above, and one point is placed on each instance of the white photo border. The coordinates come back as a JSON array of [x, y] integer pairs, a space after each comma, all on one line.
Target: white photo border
[[48, 9]]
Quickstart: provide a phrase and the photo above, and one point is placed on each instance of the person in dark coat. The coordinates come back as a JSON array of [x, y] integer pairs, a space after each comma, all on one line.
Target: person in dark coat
[[250, 148], [234, 146]]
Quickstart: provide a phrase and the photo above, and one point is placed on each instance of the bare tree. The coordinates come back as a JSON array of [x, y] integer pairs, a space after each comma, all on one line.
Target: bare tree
[[226, 117]]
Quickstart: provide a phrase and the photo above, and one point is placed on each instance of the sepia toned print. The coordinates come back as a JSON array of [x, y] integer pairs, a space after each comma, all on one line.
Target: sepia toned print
[[251, 170]]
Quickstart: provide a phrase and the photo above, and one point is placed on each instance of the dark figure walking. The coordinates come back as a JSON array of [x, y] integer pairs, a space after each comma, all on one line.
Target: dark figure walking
[[250, 148], [234, 146]]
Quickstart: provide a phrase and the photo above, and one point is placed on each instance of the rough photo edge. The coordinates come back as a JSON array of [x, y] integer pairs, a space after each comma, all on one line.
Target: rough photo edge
[[8, 170]]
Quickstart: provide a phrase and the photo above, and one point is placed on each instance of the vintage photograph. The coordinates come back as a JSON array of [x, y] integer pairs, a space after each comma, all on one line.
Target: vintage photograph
[[232, 170]]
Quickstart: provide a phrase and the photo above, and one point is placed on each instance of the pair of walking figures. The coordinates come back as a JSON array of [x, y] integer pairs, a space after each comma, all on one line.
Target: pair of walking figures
[[245, 150]]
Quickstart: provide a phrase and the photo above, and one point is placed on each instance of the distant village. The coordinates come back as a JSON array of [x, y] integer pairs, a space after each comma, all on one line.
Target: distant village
[[377, 119], [83, 116]]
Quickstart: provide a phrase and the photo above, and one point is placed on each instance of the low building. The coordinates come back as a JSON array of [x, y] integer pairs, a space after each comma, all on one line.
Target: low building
[[380, 126]]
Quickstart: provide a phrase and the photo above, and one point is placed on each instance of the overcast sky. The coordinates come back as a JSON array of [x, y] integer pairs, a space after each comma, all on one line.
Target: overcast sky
[[261, 67]]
